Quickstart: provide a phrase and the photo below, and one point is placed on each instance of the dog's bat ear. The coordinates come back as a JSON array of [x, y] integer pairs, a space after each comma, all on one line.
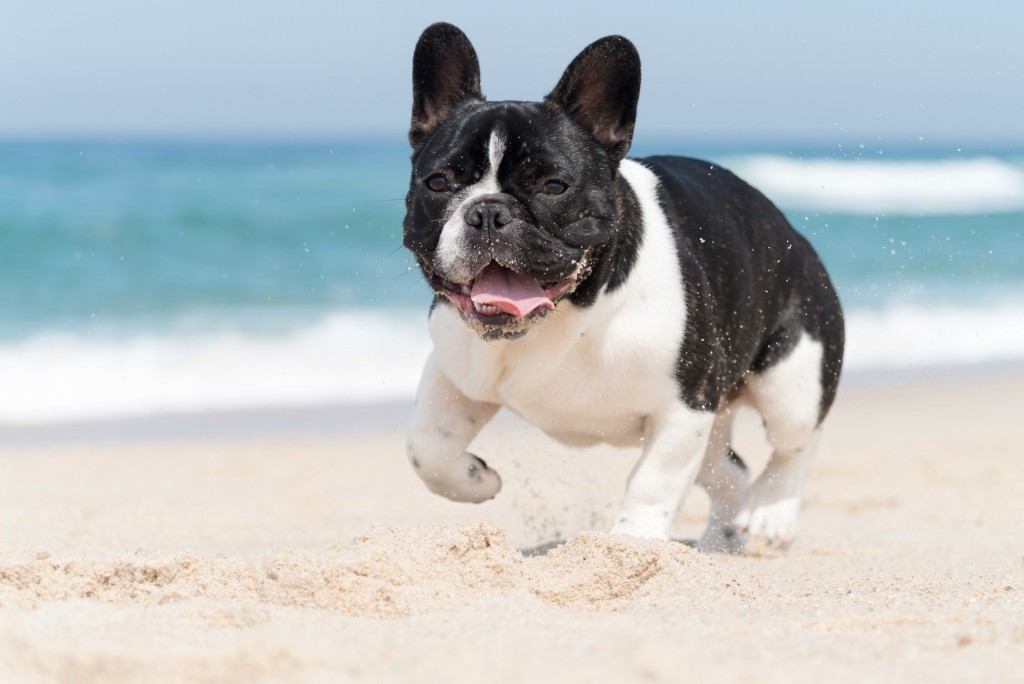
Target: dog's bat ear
[[445, 71], [600, 90]]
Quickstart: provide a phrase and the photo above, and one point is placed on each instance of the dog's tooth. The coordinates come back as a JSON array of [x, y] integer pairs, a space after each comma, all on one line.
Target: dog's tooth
[[486, 309]]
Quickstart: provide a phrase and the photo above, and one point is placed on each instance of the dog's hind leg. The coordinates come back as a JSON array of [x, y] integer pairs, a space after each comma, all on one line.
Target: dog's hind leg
[[788, 395], [727, 480]]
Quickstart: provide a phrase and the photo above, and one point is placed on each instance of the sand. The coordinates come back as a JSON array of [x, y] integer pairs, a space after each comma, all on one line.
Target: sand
[[307, 554]]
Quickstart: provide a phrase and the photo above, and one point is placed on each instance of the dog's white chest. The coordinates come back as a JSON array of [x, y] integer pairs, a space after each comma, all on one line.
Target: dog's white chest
[[579, 384]]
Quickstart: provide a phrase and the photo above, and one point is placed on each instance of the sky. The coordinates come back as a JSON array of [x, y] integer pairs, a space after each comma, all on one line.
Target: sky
[[897, 71]]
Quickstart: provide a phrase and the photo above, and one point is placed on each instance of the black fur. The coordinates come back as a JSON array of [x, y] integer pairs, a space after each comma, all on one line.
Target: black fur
[[736, 460], [445, 72], [753, 283], [600, 89]]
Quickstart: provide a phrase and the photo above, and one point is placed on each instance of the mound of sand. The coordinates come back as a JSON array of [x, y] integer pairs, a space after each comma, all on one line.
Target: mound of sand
[[390, 572]]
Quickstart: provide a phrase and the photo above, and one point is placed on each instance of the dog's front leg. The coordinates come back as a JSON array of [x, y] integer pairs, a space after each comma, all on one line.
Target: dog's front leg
[[444, 422], [674, 446]]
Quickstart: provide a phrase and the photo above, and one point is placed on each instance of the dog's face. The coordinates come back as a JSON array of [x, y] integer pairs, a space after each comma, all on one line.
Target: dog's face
[[510, 203]]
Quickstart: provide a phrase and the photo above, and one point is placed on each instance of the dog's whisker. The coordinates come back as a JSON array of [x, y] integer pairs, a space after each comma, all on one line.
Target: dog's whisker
[[390, 254]]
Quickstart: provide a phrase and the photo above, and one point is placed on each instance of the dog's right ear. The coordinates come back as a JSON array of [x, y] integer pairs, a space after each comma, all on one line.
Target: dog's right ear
[[445, 71]]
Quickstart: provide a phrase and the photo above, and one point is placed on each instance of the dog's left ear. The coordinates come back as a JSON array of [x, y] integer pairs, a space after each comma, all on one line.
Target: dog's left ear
[[445, 71], [600, 90]]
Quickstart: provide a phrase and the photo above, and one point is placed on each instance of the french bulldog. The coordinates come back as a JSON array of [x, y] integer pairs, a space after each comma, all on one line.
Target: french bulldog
[[608, 299]]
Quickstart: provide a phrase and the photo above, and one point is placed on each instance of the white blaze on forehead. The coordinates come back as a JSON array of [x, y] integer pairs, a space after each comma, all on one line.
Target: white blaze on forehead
[[495, 152], [450, 245]]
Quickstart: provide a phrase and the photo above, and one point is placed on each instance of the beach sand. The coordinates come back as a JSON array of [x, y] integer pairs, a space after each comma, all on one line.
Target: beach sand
[[313, 554]]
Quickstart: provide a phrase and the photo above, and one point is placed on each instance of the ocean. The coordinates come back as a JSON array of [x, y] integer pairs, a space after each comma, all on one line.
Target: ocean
[[149, 277]]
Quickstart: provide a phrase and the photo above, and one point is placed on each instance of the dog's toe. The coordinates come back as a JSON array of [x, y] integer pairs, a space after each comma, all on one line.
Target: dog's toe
[[483, 481], [773, 524], [468, 480]]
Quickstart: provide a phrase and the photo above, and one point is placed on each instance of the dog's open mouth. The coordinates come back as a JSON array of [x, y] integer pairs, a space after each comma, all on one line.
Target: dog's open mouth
[[498, 294]]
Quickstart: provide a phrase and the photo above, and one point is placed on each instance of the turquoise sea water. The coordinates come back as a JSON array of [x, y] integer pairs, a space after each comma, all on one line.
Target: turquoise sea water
[[149, 276], [123, 237]]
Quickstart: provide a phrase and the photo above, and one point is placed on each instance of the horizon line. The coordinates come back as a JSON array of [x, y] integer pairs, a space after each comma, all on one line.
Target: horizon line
[[899, 141]]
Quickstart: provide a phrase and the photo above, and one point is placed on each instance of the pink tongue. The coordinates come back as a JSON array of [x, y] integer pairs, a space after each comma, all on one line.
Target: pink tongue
[[509, 291]]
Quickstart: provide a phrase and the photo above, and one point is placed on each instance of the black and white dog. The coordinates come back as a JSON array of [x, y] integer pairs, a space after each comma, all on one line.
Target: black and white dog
[[607, 299]]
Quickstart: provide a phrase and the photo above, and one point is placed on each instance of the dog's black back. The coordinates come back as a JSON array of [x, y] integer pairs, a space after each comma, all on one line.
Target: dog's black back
[[756, 281]]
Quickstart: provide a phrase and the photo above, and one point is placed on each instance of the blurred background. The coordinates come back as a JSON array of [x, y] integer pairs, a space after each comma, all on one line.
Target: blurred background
[[201, 203]]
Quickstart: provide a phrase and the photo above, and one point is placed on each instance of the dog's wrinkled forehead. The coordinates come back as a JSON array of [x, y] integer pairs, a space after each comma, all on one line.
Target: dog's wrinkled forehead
[[532, 139]]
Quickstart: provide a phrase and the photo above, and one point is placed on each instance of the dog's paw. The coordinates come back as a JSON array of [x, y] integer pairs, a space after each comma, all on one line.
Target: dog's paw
[[769, 524], [470, 481], [649, 522]]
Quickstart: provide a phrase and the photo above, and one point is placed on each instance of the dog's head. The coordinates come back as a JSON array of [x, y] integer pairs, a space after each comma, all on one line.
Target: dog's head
[[511, 203]]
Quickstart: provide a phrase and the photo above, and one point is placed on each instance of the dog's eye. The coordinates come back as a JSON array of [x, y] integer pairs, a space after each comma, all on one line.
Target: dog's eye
[[437, 182], [555, 187]]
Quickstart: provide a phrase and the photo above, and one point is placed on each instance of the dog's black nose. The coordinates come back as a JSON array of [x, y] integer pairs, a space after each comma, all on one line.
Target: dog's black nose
[[488, 214]]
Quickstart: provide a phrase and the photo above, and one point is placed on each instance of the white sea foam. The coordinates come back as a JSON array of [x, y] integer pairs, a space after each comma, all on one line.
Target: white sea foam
[[940, 187], [358, 357], [907, 337], [353, 357]]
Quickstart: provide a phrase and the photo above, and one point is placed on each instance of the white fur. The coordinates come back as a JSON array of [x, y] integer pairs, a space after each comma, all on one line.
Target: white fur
[[444, 423], [788, 396], [449, 247], [674, 448]]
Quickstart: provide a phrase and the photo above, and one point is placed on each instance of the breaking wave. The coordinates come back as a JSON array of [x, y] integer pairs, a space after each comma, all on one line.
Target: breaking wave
[[942, 187], [365, 358]]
